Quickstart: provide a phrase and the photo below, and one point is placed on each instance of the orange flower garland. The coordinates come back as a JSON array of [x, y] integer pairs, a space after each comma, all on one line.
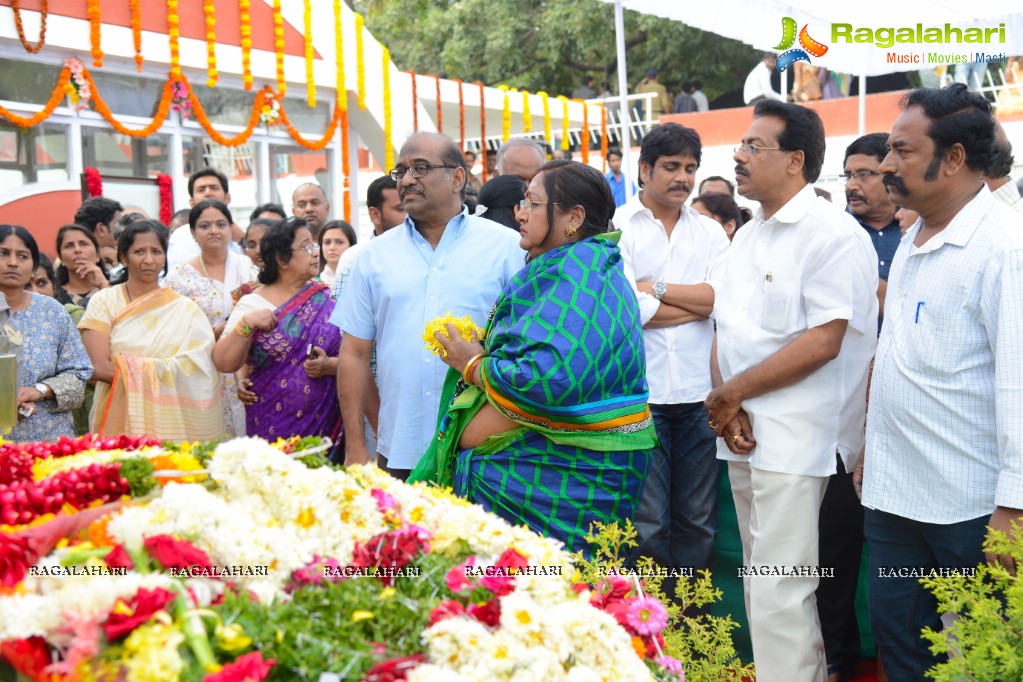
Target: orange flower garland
[[310, 84], [415, 101], [341, 106], [346, 166], [603, 138], [461, 114], [134, 6], [43, 13], [360, 62], [209, 11], [174, 33], [204, 121], [388, 147], [245, 18], [279, 46], [584, 139], [55, 98], [92, 9], [483, 127], [103, 110], [566, 141], [319, 144], [440, 111]]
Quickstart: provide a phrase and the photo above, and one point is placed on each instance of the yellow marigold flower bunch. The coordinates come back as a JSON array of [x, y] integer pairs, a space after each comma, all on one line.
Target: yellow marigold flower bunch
[[465, 326]]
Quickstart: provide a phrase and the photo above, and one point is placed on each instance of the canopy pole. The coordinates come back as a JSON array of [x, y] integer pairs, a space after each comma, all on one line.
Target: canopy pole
[[623, 99], [862, 104]]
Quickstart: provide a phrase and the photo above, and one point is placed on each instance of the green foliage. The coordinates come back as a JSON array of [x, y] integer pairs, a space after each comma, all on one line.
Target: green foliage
[[139, 472], [702, 642], [550, 44], [987, 637]]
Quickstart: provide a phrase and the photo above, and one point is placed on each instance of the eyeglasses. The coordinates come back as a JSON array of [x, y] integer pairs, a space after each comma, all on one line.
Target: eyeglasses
[[860, 175], [527, 205], [312, 249], [418, 170], [753, 149]]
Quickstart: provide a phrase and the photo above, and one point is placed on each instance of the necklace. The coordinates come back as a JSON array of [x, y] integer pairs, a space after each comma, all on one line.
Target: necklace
[[202, 264]]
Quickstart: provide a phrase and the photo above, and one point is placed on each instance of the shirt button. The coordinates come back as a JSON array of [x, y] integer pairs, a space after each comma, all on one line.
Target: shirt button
[[427, 360], [427, 394], [881, 233], [432, 297], [435, 269], [882, 262]]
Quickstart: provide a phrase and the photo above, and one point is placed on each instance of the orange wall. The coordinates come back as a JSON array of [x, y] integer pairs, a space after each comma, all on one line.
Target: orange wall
[[42, 215]]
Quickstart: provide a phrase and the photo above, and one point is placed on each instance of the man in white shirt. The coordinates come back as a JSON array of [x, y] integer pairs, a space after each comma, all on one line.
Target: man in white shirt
[[758, 82], [674, 256], [205, 183], [944, 452], [701, 99], [997, 174], [796, 319]]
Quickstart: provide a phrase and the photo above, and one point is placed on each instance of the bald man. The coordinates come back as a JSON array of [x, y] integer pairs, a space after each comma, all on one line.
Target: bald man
[[309, 202], [520, 157]]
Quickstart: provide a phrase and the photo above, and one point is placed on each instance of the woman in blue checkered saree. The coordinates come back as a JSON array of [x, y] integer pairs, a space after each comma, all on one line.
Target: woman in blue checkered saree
[[546, 421]]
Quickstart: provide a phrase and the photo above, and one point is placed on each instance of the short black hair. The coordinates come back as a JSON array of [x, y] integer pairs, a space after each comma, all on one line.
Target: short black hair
[[261, 222], [871, 144], [724, 208], [803, 131], [96, 210], [202, 173], [718, 178], [47, 265], [613, 150], [62, 273], [276, 243], [375, 192], [268, 208], [501, 196], [127, 238], [958, 116], [697, 85], [1003, 161], [25, 236], [181, 215], [669, 139], [193, 215], [571, 183]]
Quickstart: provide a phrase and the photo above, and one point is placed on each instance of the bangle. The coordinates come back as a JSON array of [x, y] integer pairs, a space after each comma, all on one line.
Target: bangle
[[243, 329], [470, 367]]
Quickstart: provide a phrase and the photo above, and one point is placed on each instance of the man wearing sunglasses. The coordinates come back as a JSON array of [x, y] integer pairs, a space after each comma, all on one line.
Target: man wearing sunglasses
[[440, 260]]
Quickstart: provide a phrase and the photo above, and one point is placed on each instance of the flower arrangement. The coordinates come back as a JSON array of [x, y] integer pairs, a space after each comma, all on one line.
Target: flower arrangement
[[360, 61], [505, 113], [270, 112], [414, 98], [215, 581], [77, 88], [584, 137], [339, 58], [440, 109], [174, 36], [179, 100], [93, 181], [245, 30], [43, 13], [544, 98], [209, 12], [310, 84], [566, 141], [464, 325], [135, 10], [279, 46], [461, 112], [483, 126], [92, 11], [166, 186], [603, 139], [527, 117], [388, 123]]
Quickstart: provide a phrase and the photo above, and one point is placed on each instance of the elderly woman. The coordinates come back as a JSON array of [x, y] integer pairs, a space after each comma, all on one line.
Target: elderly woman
[[557, 393], [208, 279], [151, 347], [81, 272], [53, 365], [283, 332]]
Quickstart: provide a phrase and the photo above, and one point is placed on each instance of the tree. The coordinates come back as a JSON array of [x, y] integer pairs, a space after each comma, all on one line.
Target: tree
[[550, 45]]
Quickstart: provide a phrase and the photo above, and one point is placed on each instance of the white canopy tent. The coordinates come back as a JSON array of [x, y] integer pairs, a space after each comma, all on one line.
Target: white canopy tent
[[759, 23]]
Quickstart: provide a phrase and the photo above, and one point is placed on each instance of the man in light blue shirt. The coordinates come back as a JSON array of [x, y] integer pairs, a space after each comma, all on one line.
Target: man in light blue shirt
[[439, 260], [621, 188]]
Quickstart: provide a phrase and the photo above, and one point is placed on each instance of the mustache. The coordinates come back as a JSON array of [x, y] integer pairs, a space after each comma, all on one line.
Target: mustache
[[849, 196], [741, 170], [408, 190], [896, 183], [684, 187]]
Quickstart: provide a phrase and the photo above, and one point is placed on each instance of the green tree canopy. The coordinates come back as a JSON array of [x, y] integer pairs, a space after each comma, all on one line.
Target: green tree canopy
[[550, 44]]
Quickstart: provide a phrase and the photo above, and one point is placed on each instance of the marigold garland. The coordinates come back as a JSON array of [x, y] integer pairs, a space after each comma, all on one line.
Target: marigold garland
[[546, 115], [440, 111], [165, 184], [527, 117], [174, 34], [43, 13], [103, 110], [209, 14], [584, 139], [566, 141], [245, 19], [310, 84], [505, 114], [92, 9], [339, 59], [279, 46], [415, 101], [360, 62], [93, 182], [388, 147], [461, 113], [483, 127], [55, 97], [346, 165], [603, 138], [135, 8]]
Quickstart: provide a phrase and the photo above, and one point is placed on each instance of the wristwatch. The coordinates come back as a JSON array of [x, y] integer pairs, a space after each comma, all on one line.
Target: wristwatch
[[659, 289], [42, 388]]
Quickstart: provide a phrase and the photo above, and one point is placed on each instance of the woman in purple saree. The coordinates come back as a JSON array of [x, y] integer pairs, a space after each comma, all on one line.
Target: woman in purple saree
[[283, 332]]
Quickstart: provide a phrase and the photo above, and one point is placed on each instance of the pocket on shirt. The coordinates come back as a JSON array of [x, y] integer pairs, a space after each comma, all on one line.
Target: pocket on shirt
[[938, 325], [779, 306]]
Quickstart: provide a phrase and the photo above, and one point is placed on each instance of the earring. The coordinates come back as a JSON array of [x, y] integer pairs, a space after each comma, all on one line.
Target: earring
[[570, 232]]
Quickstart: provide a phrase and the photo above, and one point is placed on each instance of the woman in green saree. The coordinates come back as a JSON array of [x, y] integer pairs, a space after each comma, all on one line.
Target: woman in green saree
[[548, 422]]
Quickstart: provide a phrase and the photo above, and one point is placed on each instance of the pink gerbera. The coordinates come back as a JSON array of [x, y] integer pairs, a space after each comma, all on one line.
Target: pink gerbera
[[646, 616], [672, 665]]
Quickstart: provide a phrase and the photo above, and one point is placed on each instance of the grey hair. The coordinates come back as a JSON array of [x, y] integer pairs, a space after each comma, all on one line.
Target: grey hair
[[519, 142]]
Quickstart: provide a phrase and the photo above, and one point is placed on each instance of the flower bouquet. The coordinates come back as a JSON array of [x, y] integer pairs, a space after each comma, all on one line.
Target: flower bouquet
[[251, 563]]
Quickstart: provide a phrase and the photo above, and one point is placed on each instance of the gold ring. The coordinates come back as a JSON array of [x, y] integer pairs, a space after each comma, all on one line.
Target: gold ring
[[735, 438]]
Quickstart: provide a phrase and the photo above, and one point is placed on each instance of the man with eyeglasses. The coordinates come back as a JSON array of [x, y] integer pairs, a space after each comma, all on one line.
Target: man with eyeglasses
[[440, 260], [796, 319]]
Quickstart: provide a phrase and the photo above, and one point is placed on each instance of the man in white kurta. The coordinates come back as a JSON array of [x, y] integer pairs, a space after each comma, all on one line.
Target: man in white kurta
[[797, 326]]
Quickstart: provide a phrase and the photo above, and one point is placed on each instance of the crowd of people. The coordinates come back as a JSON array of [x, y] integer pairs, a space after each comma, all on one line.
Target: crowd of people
[[630, 341]]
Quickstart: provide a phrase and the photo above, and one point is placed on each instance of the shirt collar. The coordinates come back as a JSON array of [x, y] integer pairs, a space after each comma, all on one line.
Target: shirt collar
[[795, 209], [635, 206], [963, 224], [1007, 193], [455, 225]]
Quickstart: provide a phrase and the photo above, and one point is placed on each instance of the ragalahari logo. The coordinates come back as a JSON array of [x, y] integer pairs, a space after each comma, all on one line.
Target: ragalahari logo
[[808, 46]]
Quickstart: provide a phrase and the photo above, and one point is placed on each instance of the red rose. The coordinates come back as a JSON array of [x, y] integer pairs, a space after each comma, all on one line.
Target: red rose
[[27, 656], [15, 559], [488, 613], [248, 668], [456, 579], [445, 610], [393, 670], [511, 558], [609, 591], [119, 558], [143, 605], [170, 553]]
